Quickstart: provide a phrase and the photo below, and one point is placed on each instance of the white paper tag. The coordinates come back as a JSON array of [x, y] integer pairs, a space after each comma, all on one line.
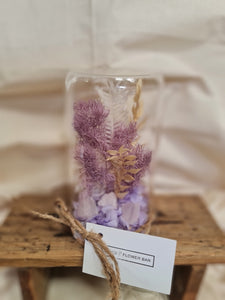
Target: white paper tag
[[145, 261]]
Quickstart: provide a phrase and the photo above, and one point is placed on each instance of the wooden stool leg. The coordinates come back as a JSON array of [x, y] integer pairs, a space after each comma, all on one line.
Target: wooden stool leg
[[194, 281], [186, 282], [33, 282]]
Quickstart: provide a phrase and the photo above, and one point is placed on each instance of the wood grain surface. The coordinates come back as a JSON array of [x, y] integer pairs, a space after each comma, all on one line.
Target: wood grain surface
[[26, 241]]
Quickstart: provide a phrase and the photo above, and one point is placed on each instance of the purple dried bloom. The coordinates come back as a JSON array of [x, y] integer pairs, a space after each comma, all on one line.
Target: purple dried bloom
[[89, 114], [143, 160], [109, 181], [89, 122], [98, 202], [107, 216], [86, 155], [91, 166], [95, 169], [108, 199], [130, 213], [85, 209], [111, 216], [124, 135], [134, 209]]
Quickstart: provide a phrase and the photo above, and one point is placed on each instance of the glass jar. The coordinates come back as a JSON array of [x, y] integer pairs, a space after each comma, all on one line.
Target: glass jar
[[111, 136]]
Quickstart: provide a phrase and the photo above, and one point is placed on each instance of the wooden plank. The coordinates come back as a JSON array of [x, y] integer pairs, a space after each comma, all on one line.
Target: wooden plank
[[26, 241], [33, 282], [187, 220]]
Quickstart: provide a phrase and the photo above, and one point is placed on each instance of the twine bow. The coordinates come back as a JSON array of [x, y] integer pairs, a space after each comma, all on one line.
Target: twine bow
[[109, 263]]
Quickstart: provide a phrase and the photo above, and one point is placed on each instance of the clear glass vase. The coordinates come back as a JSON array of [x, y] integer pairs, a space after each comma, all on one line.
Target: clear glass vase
[[111, 134]]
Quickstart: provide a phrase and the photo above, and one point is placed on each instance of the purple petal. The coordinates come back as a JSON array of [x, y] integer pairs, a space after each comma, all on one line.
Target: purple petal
[[86, 208], [143, 217], [108, 200], [110, 217], [130, 213]]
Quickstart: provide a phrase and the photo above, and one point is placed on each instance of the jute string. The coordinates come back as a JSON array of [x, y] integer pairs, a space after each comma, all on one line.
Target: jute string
[[109, 262]]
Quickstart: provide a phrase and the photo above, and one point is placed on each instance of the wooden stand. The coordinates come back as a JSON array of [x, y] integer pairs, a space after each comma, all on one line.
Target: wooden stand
[[34, 245], [33, 282]]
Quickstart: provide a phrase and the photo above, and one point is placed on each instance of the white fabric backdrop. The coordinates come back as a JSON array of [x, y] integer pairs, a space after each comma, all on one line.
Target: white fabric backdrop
[[184, 41]]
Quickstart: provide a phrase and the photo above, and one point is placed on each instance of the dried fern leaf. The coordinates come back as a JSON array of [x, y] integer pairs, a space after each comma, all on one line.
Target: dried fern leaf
[[117, 163], [130, 163], [112, 152], [134, 171], [128, 178], [122, 150], [123, 187], [112, 158], [130, 157]]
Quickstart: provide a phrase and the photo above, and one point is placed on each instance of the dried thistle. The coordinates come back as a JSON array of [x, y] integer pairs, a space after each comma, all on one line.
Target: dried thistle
[[90, 151], [90, 123], [124, 135]]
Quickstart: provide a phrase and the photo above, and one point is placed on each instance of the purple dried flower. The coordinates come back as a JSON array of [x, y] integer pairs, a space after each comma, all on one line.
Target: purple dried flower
[[143, 160], [91, 165], [134, 209], [89, 114], [124, 135], [109, 181], [89, 122], [94, 168], [85, 209], [129, 213], [99, 201]]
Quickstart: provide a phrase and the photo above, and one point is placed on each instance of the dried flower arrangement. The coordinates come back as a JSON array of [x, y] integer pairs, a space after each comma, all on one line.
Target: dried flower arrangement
[[112, 164]]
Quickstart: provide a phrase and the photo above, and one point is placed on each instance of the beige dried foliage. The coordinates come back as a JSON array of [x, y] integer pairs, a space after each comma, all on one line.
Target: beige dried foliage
[[120, 161], [138, 105]]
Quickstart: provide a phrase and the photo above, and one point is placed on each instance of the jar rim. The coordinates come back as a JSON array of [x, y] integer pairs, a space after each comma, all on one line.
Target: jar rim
[[72, 76]]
